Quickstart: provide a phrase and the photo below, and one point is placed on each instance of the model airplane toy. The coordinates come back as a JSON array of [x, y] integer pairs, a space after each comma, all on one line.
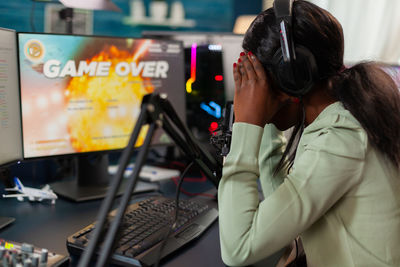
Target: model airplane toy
[[33, 194]]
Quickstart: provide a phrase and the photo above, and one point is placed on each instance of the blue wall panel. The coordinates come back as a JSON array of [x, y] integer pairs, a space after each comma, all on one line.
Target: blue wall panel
[[210, 15], [15, 14]]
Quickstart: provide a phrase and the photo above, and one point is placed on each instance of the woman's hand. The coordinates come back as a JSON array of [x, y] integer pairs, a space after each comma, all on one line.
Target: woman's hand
[[254, 100]]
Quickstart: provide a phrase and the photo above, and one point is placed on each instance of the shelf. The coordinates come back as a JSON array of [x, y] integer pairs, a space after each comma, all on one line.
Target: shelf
[[146, 21]]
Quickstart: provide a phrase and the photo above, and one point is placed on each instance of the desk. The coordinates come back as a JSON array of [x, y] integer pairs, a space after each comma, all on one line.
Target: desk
[[47, 226]]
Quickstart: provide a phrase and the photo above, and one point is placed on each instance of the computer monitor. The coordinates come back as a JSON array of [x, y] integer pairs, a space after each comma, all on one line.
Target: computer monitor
[[81, 96], [10, 120], [209, 58]]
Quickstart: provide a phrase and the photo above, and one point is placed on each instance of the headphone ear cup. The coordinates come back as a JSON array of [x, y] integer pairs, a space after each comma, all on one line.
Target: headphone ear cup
[[296, 77]]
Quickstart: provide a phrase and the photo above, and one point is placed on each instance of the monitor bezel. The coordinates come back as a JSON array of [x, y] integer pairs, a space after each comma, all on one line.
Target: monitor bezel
[[14, 161]]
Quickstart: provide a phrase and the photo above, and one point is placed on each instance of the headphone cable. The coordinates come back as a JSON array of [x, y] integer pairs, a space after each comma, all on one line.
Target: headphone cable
[[301, 131]]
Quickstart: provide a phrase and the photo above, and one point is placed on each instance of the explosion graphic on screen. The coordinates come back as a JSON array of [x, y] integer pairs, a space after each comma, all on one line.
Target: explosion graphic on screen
[[103, 110]]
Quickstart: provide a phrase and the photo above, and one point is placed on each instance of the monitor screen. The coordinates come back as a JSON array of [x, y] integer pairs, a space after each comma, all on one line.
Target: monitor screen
[[10, 120], [83, 93]]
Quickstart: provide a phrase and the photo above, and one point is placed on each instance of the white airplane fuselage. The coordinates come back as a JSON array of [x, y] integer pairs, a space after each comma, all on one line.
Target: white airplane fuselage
[[33, 194]]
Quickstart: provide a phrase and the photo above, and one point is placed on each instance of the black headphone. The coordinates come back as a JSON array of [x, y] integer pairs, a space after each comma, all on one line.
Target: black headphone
[[295, 67]]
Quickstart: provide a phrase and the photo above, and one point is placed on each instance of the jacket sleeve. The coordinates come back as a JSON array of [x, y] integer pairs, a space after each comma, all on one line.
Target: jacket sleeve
[[271, 150], [251, 230]]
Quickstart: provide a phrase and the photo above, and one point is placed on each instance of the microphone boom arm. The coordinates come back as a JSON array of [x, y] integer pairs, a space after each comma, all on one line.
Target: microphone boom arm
[[156, 111]]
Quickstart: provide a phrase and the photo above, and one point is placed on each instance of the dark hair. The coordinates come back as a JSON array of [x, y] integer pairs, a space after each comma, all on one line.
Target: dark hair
[[365, 89]]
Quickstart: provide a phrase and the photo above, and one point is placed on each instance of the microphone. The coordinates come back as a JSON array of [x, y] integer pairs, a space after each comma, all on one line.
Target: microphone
[[221, 137]]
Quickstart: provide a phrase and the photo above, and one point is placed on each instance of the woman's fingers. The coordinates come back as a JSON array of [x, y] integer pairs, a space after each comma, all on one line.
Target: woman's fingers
[[248, 67], [237, 76], [242, 68], [258, 68]]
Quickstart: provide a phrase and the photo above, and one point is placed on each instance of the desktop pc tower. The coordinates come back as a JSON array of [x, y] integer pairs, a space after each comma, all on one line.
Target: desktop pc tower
[[205, 91], [208, 74]]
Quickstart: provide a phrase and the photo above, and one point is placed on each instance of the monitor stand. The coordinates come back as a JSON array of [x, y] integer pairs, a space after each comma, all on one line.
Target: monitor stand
[[4, 221], [4, 177], [92, 180]]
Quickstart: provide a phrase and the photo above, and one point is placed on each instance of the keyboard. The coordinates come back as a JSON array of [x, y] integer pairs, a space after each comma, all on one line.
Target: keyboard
[[24, 254], [145, 225]]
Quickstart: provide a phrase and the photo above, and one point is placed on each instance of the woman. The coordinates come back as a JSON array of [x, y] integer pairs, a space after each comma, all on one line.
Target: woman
[[337, 182]]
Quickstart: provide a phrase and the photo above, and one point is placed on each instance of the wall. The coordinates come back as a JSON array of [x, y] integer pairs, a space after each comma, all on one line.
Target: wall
[[371, 29], [210, 15]]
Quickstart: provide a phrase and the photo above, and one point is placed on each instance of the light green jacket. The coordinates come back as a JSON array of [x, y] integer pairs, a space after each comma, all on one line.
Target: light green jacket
[[342, 196]]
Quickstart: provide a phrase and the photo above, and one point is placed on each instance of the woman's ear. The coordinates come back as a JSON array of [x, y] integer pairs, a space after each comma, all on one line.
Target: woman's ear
[[283, 97]]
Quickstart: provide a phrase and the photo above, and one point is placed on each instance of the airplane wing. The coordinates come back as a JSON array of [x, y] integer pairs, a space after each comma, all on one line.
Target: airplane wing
[[10, 189], [15, 195]]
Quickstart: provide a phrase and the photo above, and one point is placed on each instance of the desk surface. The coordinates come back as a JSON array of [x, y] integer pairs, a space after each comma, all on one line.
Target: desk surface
[[48, 226]]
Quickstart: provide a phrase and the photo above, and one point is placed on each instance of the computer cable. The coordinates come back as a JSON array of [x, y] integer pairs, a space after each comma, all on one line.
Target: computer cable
[[173, 224], [193, 180], [202, 179]]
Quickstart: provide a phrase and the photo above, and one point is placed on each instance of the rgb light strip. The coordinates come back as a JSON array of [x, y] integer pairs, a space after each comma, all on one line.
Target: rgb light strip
[[192, 78]]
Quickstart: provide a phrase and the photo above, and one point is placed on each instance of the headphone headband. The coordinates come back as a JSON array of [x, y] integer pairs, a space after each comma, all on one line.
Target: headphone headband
[[283, 8], [283, 15]]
